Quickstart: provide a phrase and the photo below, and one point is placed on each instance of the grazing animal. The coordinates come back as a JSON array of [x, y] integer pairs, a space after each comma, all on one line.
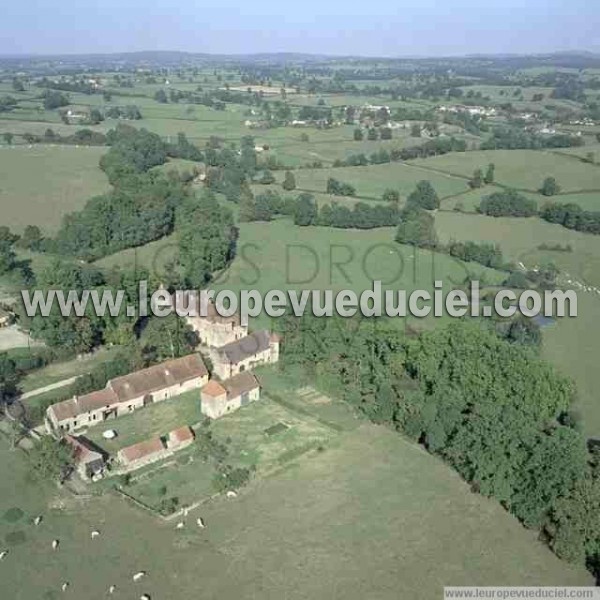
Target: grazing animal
[[95, 533], [111, 589], [185, 512], [200, 522], [144, 597], [231, 494], [180, 525], [37, 520], [55, 544], [3, 554], [139, 575], [64, 586]]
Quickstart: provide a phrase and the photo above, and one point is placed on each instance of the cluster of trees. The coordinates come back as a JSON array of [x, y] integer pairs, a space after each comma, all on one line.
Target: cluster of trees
[[183, 148], [7, 103], [8, 379], [138, 210], [550, 187], [81, 86], [488, 255], [373, 134], [339, 188], [207, 238], [130, 112], [82, 137], [507, 203], [514, 138], [132, 151], [52, 99], [141, 206], [316, 114], [424, 196], [9, 264], [490, 408], [145, 340], [433, 147], [416, 224], [479, 179], [571, 216], [263, 207], [361, 216], [416, 227]]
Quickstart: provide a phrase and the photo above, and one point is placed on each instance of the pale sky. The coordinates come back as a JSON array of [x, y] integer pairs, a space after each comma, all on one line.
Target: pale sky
[[376, 28]]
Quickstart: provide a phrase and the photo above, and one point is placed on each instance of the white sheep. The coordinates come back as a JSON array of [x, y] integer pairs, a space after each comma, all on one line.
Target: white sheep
[[180, 525], [231, 494], [64, 586], [95, 533], [37, 520], [55, 544], [139, 575], [200, 522], [144, 597], [111, 589], [3, 554]]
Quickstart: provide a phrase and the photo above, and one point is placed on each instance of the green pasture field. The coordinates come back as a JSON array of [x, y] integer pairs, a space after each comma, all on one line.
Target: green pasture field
[[582, 151], [369, 516], [282, 256], [40, 184], [521, 169], [338, 144], [470, 200], [371, 181], [19, 128], [151, 421], [154, 256], [56, 372]]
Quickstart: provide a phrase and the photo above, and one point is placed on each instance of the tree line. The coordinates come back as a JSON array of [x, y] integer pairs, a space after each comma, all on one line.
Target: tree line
[[509, 203]]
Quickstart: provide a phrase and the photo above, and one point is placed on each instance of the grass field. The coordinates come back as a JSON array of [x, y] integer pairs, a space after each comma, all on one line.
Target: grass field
[[522, 169], [371, 181], [282, 256], [65, 370], [366, 518], [39, 184], [153, 421]]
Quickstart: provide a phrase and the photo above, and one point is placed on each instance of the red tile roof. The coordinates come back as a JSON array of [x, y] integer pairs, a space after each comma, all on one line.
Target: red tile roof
[[142, 450], [70, 409], [82, 452], [181, 435], [213, 388], [152, 379]]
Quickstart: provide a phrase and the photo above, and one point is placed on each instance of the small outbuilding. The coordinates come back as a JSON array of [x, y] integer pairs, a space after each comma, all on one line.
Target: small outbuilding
[[221, 397]]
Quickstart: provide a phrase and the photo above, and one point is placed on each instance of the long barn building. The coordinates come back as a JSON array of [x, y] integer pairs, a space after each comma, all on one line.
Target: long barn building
[[123, 395]]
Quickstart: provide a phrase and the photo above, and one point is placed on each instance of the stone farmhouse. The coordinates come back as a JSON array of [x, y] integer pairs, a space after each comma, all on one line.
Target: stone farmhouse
[[123, 395], [258, 348], [213, 330], [221, 397], [149, 451]]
